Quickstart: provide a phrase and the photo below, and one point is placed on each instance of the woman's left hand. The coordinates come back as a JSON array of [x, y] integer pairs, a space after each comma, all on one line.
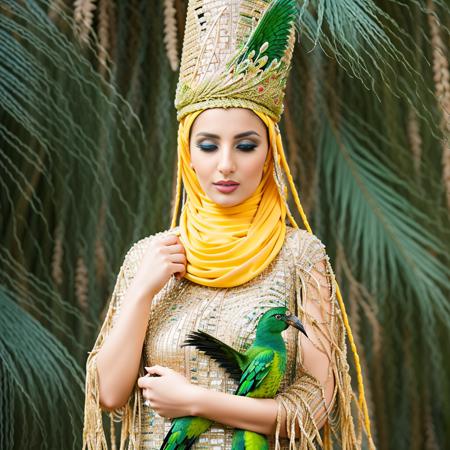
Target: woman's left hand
[[170, 394]]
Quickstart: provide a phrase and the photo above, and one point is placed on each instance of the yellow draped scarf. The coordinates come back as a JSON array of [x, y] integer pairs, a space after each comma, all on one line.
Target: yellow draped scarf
[[229, 245]]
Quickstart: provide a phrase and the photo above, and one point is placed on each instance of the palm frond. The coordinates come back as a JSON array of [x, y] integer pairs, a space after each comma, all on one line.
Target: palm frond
[[389, 234], [398, 250], [41, 384]]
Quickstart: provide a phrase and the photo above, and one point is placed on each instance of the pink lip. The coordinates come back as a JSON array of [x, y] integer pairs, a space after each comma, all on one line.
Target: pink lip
[[226, 186], [227, 182]]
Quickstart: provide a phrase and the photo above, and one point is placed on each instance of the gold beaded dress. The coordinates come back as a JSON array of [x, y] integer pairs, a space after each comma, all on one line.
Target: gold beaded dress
[[298, 276]]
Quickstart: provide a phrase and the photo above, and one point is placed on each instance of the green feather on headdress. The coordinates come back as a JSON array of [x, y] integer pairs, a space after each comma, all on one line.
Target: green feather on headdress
[[271, 36]]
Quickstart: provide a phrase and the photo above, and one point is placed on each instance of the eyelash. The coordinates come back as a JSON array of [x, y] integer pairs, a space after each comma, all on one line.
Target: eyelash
[[212, 147]]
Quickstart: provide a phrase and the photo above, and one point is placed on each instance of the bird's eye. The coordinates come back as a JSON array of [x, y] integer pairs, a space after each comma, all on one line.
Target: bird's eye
[[278, 316]]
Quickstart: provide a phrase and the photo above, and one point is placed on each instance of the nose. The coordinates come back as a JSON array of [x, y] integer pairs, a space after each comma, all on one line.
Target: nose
[[227, 163]]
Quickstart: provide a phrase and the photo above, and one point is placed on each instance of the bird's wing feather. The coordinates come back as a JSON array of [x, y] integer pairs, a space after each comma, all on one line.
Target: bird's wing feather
[[227, 357], [256, 371]]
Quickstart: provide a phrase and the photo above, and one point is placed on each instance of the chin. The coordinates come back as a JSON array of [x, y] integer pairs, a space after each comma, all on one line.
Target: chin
[[228, 201]]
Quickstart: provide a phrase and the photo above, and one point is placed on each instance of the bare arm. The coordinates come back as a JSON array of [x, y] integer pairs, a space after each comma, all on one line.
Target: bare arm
[[253, 414], [119, 358]]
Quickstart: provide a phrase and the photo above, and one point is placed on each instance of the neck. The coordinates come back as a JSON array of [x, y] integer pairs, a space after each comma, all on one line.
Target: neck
[[271, 340]]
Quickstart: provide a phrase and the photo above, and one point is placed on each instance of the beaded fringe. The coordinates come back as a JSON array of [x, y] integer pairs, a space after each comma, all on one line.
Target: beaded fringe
[[303, 403], [129, 416]]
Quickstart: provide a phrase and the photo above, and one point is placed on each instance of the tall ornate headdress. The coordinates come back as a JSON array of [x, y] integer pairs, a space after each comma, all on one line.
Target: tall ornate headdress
[[236, 54]]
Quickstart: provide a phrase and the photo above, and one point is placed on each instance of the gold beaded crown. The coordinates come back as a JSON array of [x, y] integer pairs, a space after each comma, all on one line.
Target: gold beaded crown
[[236, 54]]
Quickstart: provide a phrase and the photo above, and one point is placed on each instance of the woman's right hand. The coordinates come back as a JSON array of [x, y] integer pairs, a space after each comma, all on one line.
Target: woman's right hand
[[164, 257]]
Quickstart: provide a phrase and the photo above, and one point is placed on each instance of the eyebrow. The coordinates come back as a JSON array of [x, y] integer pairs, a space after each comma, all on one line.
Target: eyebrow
[[237, 136]]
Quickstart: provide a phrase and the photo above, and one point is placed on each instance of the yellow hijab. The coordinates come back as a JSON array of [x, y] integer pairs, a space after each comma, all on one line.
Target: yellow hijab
[[228, 246]]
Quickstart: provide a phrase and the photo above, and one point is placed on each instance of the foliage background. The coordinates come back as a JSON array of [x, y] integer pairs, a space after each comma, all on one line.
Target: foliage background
[[87, 147]]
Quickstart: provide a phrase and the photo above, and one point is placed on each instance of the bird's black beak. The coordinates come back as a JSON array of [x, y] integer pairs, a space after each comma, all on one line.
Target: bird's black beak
[[294, 321]]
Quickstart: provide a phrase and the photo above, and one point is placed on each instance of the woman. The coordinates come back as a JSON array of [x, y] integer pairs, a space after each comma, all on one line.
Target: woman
[[232, 258]]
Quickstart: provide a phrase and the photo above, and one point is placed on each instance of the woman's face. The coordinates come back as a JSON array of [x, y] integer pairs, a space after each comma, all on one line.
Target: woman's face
[[228, 150]]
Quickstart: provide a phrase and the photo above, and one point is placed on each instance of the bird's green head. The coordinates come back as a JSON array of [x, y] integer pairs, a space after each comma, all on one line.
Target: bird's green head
[[276, 320]]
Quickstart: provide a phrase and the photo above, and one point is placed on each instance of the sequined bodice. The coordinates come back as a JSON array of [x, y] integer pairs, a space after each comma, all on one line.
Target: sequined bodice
[[228, 314]]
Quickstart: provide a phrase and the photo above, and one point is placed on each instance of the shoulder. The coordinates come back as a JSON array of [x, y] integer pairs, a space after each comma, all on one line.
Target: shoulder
[[312, 266], [305, 247], [136, 252]]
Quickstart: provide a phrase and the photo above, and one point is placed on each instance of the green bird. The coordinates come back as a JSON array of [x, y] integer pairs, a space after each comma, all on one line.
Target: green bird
[[258, 371]]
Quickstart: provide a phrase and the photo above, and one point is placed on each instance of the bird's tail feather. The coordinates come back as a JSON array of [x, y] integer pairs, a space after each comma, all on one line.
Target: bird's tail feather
[[248, 440], [184, 432]]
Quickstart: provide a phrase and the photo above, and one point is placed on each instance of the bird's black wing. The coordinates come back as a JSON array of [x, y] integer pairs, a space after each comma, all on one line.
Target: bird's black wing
[[227, 357]]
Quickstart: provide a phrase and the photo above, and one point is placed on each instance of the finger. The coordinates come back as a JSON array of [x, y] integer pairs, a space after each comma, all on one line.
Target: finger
[[154, 370], [175, 232], [180, 275], [157, 370], [178, 258], [146, 394], [176, 248], [143, 382], [170, 239], [178, 268]]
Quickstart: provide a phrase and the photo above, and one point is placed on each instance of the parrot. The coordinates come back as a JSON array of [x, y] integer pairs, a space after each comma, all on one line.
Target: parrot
[[258, 371]]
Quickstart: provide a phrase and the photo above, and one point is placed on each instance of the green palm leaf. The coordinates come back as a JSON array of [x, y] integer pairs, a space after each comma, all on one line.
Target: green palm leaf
[[389, 234], [41, 384], [400, 254]]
